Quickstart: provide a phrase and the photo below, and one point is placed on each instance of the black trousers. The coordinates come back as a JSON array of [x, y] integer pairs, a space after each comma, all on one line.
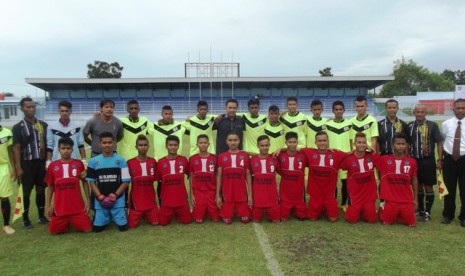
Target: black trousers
[[454, 175]]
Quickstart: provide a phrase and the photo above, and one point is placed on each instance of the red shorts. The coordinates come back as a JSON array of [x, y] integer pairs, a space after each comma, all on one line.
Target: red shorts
[[60, 224], [182, 214], [286, 207], [366, 212], [205, 204], [242, 210], [273, 213], [150, 215], [319, 206], [393, 211]]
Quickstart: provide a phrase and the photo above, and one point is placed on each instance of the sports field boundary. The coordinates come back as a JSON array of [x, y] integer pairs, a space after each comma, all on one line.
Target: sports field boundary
[[271, 262]]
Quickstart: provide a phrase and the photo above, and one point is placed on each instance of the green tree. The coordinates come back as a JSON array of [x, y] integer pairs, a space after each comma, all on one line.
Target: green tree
[[104, 70], [326, 72], [410, 78], [457, 77]]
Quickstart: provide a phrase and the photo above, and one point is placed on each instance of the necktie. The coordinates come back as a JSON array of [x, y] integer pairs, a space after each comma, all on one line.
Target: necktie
[[456, 146]]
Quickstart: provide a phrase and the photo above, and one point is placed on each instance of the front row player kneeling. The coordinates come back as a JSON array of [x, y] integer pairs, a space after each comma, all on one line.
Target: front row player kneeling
[[265, 193], [142, 196], [170, 171], [233, 190], [108, 176], [361, 182], [398, 184], [63, 180], [203, 182]]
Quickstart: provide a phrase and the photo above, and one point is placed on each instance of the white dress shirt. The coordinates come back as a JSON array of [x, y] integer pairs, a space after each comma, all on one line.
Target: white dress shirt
[[448, 133]]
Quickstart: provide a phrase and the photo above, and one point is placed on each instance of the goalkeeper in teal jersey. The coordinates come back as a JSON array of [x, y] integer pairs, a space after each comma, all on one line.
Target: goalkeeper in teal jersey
[[294, 121], [133, 126], [365, 123], [339, 135], [202, 123], [274, 130], [315, 123], [254, 126]]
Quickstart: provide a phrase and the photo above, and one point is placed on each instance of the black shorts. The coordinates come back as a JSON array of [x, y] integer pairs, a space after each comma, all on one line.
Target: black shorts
[[427, 171], [34, 173]]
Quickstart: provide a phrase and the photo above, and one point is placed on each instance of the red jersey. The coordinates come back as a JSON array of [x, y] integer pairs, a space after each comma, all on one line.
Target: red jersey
[[396, 178], [203, 171], [292, 171], [234, 167], [65, 177], [323, 172], [171, 173], [361, 181], [264, 190], [143, 175]]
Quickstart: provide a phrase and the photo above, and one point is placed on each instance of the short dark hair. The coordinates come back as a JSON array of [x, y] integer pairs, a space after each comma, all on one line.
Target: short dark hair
[[273, 108], [399, 135], [315, 103], [459, 100], [66, 104], [172, 138], [253, 101], [203, 136], [141, 137], [232, 101], [106, 134], [292, 99], [25, 99], [202, 103], [320, 133], [262, 137], [133, 101], [338, 103], [360, 135], [232, 132], [166, 107], [66, 141], [291, 134], [360, 99], [391, 101], [106, 101]]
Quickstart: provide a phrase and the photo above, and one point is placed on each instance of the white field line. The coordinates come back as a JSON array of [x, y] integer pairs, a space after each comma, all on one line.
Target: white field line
[[271, 262]]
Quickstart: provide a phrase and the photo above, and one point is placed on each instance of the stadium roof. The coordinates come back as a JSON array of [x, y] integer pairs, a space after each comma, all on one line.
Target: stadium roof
[[50, 84]]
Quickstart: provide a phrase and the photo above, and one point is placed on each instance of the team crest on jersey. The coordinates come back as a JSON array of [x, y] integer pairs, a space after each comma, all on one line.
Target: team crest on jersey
[[97, 163], [354, 164], [323, 127], [260, 123], [211, 162], [299, 159], [407, 163], [389, 162], [74, 166], [298, 123], [73, 131], [256, 165], [346, 128], [283, 159], [366, 126], [225, 158], [118, 162], [196, 162], [175, 129], [164, 166], [181, 163], [3, 140], [241, 157], [315, 156], [142, 127], [281, 132], [210, 123], [56, 168]]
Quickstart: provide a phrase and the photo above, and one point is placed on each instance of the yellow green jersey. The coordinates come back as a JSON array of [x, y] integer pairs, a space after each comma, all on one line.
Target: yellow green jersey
[[253, 127], [6, 140], [296, 123], [276, 134], [367, 125], [131, 130], [314, 126], [196, 126], [159, 134], [339, 134]]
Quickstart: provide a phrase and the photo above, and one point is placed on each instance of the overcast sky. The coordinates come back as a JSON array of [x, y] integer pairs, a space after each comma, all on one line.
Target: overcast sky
[[57, 39]]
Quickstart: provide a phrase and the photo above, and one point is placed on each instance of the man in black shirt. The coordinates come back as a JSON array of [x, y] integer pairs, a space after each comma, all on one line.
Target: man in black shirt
[[29, 149], [226, 123]]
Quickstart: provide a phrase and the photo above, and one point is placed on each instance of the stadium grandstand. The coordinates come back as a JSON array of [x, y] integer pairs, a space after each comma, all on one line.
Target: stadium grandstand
[[182, 93]]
